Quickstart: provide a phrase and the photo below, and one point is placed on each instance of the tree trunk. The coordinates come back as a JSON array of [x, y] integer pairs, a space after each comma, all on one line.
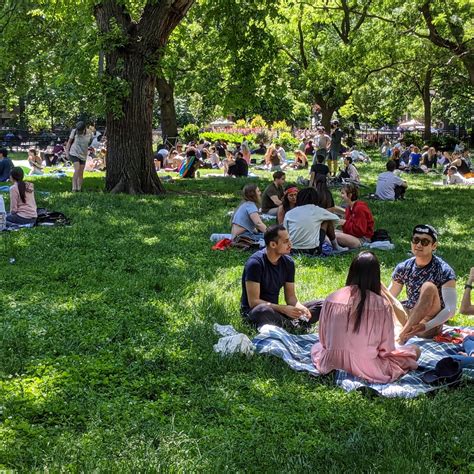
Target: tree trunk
[[130, 166], [427, 103], [327, 113], [169, 124], [468, 61]]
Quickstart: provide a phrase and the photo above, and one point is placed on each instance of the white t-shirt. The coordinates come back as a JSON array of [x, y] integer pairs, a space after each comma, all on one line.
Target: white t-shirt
[[386, 183], [304, 223], [281, 151], [353, 173], [80, 144]]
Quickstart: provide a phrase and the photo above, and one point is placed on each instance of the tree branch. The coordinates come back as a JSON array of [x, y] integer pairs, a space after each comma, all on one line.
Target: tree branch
[[304, 59]]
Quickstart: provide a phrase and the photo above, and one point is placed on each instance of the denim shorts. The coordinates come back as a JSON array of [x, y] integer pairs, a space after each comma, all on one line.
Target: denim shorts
[[76, 159]]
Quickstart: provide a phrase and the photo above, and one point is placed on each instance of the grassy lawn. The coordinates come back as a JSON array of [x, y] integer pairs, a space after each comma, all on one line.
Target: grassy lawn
[[106, 358]]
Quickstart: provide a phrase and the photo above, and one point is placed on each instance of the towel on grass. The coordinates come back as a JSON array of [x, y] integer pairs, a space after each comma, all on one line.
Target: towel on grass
[[295, 350]]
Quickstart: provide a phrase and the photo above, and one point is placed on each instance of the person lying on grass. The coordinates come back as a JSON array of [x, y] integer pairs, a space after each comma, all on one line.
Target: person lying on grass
[[246, 220], [358, 225], [356, 328], [430, 284], [308, 224], [22, 200], [265, 274]]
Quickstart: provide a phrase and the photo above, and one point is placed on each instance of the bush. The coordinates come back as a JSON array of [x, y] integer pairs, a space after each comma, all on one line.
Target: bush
[[258, 122], [413, 138], [228, 137], [287, 141], [443, 142], [281, 126], [190, 133], [262, 136], [241, 123]]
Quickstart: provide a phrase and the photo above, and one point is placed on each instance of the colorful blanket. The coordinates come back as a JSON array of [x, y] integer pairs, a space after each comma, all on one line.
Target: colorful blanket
[[295, 350]]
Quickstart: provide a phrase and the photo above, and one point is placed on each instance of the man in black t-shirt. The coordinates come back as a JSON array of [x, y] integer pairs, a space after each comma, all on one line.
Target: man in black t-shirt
[[265, 274]]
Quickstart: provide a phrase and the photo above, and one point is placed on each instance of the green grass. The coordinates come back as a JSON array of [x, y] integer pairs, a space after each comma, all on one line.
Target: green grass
[[106, 358]]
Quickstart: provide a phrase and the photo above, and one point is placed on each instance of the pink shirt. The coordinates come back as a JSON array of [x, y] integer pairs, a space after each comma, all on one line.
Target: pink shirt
[[370, 353], [26, 209]]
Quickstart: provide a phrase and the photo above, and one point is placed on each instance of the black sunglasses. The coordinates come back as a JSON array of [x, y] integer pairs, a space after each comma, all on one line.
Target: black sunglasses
[[424, 242]]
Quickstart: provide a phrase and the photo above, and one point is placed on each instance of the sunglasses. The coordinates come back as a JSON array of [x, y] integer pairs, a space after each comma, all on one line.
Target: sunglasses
[[424, 242]]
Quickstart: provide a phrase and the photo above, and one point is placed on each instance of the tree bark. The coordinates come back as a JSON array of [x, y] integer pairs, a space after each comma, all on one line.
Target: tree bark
[[131, 58], [169, 123], [427, 103]]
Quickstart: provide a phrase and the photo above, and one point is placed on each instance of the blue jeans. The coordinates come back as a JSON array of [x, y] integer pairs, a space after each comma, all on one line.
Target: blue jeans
[[467, 362], [256, 236]]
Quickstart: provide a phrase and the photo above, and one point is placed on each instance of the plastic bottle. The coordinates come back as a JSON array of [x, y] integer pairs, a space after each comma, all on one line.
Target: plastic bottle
[[3, 214]]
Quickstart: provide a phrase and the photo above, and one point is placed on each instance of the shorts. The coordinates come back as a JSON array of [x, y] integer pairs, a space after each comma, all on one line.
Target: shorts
[[76, 159], [364, 240]]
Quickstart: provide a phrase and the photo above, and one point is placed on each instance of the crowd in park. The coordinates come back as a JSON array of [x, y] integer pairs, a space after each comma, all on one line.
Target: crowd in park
[[363, 327]]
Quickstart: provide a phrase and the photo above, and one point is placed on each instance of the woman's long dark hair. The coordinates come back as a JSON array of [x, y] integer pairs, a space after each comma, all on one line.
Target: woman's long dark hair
[[17, 175], [325, 197], [364, 272]]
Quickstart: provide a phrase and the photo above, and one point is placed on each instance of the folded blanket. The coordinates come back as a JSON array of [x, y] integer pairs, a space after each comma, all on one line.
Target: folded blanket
[[295, 350]]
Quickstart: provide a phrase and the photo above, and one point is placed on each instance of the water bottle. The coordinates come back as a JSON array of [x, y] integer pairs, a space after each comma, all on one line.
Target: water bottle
[[3, 214]]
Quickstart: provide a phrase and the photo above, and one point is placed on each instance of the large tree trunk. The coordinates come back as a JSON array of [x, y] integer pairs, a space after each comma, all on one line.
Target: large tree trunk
[[169, 124], [130, 166], [468, 61], [427, 103]]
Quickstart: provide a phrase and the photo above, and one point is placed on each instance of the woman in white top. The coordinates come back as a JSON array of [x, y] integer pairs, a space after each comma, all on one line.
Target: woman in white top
[[76, 151], [35, 162]]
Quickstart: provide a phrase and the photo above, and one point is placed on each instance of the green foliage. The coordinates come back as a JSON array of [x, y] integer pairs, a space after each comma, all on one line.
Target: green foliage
[[258, 122], [190, 133], [107, 364], [287, 141], [443, 142], [414, 138], [241, 123], [230, 137], [280, 126]]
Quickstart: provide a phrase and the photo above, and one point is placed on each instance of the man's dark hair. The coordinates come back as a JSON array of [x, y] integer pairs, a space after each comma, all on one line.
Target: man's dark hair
[[278, 175], [307, 196], [391, 165], [349, 159], [453, 168], [320, 158], [4, 152], [271, 234]]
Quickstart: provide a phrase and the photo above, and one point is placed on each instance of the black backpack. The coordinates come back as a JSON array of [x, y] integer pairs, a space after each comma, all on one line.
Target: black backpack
[[51, 218], [381, 235]]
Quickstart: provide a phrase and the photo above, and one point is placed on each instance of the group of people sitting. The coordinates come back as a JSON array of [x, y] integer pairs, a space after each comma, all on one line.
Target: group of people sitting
[[309, 215], [363, 327]]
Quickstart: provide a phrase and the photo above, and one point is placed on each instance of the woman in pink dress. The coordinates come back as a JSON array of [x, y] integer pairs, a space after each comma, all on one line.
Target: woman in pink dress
[[356, 328]]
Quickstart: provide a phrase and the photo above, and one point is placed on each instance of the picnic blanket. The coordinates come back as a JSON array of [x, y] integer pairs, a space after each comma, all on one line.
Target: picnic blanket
[[295, 350]]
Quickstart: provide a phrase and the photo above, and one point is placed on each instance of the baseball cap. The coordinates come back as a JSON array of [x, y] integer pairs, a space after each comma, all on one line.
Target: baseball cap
[[426, 229]]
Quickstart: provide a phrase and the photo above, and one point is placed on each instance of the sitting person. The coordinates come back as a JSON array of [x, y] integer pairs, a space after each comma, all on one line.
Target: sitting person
[[35, 162], [430, 286], [288, 202], [350, 171], [273, 194], [466, 306], [236, 166], [6, 165], [454, 177], [265, 274], [358, 225], [246, 219], [356, 328], [389, 186], [415, 159], [319, 168], [461, 164], [396, 157], [325, 199], [22, 200], [214, 159], [308, 224], [190, 164], [301, 162]]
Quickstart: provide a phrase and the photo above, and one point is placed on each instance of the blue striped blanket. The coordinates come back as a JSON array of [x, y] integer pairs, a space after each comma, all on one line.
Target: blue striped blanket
[[295, 350]]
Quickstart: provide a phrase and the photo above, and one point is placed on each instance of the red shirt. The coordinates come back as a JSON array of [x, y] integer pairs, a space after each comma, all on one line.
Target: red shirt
[[359, 221]]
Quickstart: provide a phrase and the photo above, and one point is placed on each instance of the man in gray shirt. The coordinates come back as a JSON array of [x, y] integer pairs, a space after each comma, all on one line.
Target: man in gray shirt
[[390, 186]]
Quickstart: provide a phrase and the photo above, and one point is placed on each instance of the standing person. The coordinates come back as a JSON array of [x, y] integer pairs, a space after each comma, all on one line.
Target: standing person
[[356, 328], [358, 225], [322, 143], [265, 274], [430, 285], [76, 151], [390, 186], [6, 165], [273, 194], [22, 200], [335, 147], [246, 220], [466, 306]]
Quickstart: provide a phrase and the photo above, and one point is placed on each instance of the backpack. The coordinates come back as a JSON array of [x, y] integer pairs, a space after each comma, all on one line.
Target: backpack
[[242, 242], [381, 235], [51, 218]]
